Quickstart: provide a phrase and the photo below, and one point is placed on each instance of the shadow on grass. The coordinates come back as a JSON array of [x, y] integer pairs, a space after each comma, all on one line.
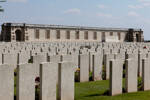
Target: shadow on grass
[[106, 93]]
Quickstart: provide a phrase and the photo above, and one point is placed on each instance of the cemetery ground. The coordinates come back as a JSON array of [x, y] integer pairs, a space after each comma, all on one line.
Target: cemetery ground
[[76, 71], [99, 90]]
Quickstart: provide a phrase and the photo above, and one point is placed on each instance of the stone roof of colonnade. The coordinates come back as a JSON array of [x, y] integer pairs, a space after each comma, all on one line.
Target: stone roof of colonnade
[[69, 27]]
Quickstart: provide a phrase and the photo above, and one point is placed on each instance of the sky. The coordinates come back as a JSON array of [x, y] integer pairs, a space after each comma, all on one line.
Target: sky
[[99, 13]]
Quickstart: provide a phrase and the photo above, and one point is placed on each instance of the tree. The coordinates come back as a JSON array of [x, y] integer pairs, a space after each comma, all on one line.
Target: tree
[[1, 9]]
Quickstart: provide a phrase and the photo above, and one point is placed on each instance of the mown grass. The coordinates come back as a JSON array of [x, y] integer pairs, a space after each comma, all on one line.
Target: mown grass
[[99, 91]]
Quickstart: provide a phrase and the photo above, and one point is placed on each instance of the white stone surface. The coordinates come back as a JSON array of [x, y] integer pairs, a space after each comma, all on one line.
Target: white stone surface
[[26, 82], [115, 77], [145, 74], [84, 67], [97, 66], [48, 76], [66, 81], [6, 82], [131, 75]]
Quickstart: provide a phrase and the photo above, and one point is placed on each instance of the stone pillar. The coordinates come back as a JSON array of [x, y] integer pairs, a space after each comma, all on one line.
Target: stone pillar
[[75, 58], [6, 82], [66, 81], [84, 67], [54, 58], [91, 61], [142, 37], [107, 59], [22, 58], [133, 56], [10, 59], [48, 76], [38, 59], [120, 57], [97, 66], [26, 82], [115, 82], [134, 38], [66, 58], [0, 58], [145, 74], [140, 57], [131, 76]]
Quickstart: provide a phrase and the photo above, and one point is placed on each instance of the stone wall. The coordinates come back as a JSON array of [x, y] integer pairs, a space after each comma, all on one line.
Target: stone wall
[[28, 33]]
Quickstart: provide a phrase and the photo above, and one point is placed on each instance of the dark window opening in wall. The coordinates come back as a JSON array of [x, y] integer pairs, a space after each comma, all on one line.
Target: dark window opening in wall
[[77, 34], [58, 34], [47, 34], [86, 35], [37, 33], [103, 36], [137, 37], [19, 35], [119, 35], [95, 36], [111, 33], [68, 34]]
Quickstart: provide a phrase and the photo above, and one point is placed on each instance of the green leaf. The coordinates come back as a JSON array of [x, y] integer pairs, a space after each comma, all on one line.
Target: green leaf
[[1, 10], [2, 0]]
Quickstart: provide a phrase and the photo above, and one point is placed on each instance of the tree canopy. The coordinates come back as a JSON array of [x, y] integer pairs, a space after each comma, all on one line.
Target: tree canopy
[[1, 9]]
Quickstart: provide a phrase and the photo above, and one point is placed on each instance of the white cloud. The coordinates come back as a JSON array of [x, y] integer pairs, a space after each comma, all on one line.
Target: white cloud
[[146, 4], [18, 1], [135, 6], [144, 0], [104, 15], [143, 4], [73, 11], [102, 6], [133, 14]]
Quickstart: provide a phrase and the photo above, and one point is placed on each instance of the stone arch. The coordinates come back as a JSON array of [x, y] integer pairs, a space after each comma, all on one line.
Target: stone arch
[[137, 37], [19, 35]]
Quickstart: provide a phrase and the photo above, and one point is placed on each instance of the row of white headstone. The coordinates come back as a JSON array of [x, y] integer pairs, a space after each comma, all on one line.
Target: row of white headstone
[[131, 75], [51, 75], [62, 72], [42, 61]]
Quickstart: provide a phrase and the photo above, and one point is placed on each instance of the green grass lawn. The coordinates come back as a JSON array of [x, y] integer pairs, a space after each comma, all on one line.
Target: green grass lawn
[[99, 91]]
